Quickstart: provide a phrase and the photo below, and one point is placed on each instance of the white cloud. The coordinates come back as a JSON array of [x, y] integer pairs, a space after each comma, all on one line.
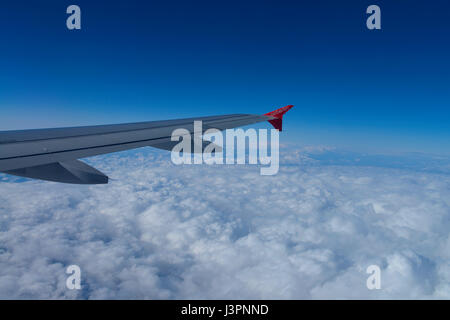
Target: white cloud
[[162, 231]]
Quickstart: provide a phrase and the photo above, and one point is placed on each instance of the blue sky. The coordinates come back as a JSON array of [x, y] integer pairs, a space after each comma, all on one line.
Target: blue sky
[[379, 91]]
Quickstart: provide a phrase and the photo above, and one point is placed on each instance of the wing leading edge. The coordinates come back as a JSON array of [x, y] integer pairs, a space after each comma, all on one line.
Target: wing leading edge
[[52, 154]]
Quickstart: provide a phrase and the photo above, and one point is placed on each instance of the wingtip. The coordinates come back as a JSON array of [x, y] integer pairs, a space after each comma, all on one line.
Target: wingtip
[[278, 114]]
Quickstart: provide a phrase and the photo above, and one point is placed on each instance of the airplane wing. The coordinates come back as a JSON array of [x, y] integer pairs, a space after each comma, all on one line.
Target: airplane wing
[[52, 154]]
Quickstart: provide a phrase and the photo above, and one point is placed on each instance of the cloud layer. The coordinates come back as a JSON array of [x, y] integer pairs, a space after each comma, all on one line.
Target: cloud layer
[[160, 231]]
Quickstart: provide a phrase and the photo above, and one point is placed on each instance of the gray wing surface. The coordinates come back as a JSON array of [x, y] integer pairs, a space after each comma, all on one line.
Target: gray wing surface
[[52, 154]]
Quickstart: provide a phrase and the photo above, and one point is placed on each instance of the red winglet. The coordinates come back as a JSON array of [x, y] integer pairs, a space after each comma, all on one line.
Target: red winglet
[[278, 114]]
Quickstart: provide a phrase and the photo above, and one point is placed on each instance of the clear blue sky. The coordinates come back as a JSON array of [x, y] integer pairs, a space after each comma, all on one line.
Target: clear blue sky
[[384, 90]]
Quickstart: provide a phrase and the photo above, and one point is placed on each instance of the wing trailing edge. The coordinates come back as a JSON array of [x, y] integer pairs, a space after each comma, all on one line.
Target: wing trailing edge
[[74, 171]]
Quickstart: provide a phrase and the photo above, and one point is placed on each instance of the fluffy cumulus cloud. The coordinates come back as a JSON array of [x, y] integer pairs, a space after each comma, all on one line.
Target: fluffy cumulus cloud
[[161, 231]]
